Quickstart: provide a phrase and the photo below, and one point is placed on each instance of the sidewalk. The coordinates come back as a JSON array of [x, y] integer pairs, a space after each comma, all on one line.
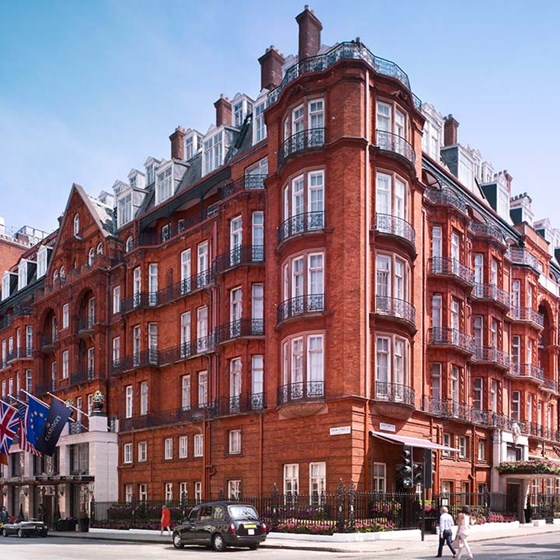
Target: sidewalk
[[356, 542]]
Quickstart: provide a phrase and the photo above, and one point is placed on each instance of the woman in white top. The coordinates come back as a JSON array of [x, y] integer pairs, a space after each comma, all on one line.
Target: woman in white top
[[463, 530]]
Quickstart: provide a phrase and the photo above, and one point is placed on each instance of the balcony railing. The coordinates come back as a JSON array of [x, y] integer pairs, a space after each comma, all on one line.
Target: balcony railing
[[527, 314], [550, 385], [175, 416], [301, 141], [446, 197], [394, 392], [523, 257], [47, 342], [302, 391], [86, 324], [19, 354], [244, 254], [448, 408], [527, 371], [491, 355], [492, 293], [239, 404], [450, 266], [488, 230], [393, 225], [313, 303], [450, 337], [301, 223], [247, 183], [82, 376], [145, 358], [239, 328], [395, 143], [395, 308], [343, 51]]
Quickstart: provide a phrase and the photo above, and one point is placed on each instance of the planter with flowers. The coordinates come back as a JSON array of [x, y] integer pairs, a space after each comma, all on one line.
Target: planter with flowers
[[530, 467], [98, 400]]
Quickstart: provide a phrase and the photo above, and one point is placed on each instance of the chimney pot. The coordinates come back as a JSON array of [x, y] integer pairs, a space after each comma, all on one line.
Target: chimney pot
[[309, 33]]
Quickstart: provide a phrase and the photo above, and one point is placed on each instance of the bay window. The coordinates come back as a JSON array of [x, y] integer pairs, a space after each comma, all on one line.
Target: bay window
[[392, 367], [303, 367]]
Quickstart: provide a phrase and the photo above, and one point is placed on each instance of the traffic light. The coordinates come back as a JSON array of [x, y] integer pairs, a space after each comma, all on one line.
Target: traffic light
[[429, 467], [418, 477], [406, 469]]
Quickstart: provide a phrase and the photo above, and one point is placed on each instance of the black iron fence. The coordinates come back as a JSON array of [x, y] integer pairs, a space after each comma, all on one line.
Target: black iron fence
[[346, 510]]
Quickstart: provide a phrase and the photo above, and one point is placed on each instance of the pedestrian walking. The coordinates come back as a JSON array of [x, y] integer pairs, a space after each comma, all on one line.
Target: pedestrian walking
[[165, 520], [3, 515], [463, 531], [445, 531]]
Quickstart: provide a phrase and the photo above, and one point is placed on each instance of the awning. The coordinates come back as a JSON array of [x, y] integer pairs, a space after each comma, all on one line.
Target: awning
[[412, 441]]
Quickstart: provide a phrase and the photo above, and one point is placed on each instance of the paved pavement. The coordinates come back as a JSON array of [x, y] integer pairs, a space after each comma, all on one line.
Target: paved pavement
[[371, 543]]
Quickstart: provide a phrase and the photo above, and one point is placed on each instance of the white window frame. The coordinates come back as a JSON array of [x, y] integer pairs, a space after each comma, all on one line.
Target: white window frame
[[129, 403], [164, 184], [291, 479], [168, 448], [142, 451], [186, 392], [116, 300], [202, 389], [65, 364], [144, 396], [379, 477], [234, 442], [198, 443], [127, 453], [183, 447]]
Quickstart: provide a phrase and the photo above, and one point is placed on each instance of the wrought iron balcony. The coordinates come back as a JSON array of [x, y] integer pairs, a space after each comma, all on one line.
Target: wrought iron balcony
[[393, 225], [527, 371], [393, 307], [394, 392], [396, 144], [301, 223], [300, 305], [19, 354], [448, 408], [527, 314], [446, 197], [522, 257], [176, 354], [244, 254], [86, 324], [205, 344], [301, 391], [491, 355], [247, 183], [490, 292], [239, 328], [490, 231], [145, 358], [350, 50], [301, 141], [550, 385], [82, 376], [537, 430], [443, 336], [239, 404], [449, 266], [167, 417], [48, 342]]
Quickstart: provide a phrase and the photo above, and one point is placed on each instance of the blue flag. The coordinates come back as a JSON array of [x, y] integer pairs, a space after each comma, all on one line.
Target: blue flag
[[57, 417], [36, 419]]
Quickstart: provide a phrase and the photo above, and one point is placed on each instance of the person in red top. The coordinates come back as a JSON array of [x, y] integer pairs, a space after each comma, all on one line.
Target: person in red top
[[165, 520]]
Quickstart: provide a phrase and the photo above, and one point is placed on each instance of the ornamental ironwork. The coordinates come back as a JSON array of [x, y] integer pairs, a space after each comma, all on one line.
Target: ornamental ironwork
[[304, 140], [299, 305], [393, 225], [301, 223], [394, 392], [395, 307], [301, 391], [395, 143]]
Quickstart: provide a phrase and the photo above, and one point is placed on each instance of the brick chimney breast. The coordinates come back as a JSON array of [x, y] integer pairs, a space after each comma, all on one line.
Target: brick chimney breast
[[271, 68], [309, 33], [223, 111], [450, 131], [178, 143]]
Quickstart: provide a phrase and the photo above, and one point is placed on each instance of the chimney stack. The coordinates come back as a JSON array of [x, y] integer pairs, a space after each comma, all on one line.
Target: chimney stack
[[223, 111], [508, 178], [309, 33], [178, 143], [271, 68], [450, 131]]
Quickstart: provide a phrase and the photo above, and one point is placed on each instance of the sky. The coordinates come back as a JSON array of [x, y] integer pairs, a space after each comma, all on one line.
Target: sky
[[90, 88]]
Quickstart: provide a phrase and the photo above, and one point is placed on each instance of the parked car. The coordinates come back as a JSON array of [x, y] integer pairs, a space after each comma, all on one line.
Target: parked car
[[219, 525], [25, 529]]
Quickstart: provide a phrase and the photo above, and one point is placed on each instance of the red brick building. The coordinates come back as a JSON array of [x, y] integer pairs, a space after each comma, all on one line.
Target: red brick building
[[322, 275]]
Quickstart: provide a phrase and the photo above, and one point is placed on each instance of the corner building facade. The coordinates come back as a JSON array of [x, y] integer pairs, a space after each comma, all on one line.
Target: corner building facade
[[290, 297]]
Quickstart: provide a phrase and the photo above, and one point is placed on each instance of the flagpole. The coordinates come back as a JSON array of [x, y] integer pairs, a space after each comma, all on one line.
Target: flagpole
[[17, 400], [9, 405], [68, 404]]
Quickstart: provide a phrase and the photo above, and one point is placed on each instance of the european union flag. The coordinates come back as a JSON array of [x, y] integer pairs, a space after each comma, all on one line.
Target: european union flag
[[57, 416], [36, 420]]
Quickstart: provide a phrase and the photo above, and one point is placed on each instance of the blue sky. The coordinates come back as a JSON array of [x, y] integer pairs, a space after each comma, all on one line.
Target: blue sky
[[90, 88]]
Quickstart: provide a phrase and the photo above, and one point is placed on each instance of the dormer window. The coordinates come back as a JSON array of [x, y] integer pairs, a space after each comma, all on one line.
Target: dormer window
[[5, 285], [124, 210], [41, 262], [22, 274], [241, 107], [91, 257], [76, 224], [132, 180], [100, 248], [164, 184], [259, 126], [215, 149], [129, 245], [150, 173], [192, 144]]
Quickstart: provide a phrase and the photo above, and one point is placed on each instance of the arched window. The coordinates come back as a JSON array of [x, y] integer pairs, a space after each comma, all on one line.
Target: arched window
[[100, 249], [129, 244], [62, 273], [76, 224], [91, 256]]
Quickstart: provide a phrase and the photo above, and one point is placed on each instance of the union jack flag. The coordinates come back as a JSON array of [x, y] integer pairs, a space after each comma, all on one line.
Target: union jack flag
[[8, 426], [24, 443]]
